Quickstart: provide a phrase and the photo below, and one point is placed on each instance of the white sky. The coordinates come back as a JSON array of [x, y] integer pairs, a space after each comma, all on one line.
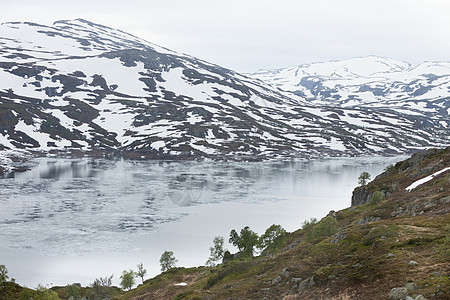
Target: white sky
[[247, 35]]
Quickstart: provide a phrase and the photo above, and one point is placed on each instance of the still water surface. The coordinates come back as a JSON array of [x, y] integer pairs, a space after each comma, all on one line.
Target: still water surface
[[73, 220]]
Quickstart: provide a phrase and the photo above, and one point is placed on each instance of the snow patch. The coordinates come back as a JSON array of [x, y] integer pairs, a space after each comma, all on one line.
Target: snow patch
[[426, 179]]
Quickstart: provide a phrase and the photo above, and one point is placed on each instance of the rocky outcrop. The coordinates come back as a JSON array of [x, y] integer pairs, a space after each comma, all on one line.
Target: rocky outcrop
[[387, 182], [399, 293], [361, 195]]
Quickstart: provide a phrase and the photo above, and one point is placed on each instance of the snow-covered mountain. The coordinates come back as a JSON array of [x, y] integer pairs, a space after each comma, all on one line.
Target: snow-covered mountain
[[370, 82], [81, 86]]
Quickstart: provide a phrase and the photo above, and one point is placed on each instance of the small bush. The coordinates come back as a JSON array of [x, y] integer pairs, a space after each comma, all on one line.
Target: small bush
[[187, 295], [420, 241], [376, 198], [232, 269], [322, 229], [376, 234]]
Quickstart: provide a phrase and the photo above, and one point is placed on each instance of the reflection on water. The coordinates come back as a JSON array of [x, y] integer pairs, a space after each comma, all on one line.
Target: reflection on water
[[66, 206]]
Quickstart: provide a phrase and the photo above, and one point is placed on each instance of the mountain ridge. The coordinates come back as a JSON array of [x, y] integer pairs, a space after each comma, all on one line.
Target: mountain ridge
[[333, 82], [81, 87]]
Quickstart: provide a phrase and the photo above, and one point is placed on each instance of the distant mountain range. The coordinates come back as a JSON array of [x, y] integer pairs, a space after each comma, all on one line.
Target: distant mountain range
[[370, 82], [82, 86]]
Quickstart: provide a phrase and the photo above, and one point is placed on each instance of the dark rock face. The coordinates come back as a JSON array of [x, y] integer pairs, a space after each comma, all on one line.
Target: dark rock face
[[414, 168], [361, 195]]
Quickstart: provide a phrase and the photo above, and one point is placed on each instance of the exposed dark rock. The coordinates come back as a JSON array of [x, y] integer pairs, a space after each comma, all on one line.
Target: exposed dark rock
[[399, 293], [285, 273], [411, 287], [307, 283], [367, 220], [413, 263], [361, 195], [276, 280], [342, 234]]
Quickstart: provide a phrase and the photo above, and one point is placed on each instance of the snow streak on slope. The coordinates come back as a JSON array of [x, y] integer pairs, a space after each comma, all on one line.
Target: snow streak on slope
[[83, 86], [371, 82]]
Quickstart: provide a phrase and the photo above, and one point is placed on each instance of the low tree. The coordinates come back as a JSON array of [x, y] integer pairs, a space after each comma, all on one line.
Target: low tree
[[101, 288], [127, 279], [377, 197], [141, 271], [245, 242], [73, 291], [363, 178], [324, 228], [308, 226], [44, 293], [27, 294], [273, 240], [167, 261], [4, 290], [216, 251], [41, 293]]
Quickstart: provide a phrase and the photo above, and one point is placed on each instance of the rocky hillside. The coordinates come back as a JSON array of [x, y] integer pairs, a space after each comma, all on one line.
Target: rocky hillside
[[381, 248], [393, 243], [80, 86]]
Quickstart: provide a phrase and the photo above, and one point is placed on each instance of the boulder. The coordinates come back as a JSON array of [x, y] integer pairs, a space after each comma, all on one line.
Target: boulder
[[342, 234], [307, 283], [411, 286], [285, 273], [367, 220], [361, 195], [412, 263], [276, 280], [296, 280], [398, 293]]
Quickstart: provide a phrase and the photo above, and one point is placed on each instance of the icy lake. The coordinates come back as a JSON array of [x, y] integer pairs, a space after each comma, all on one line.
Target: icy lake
[[74, 220]]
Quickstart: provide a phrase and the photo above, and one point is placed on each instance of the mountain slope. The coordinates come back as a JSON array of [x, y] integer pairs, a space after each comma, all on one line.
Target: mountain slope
[[371, 82], [400, 244], [80, 86], [391, 247]]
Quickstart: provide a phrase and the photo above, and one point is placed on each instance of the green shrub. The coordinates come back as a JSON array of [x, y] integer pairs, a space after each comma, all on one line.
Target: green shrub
[[318, 230], [376, 198], [231, 269], [273, 240], [325, 228], [378, 233]]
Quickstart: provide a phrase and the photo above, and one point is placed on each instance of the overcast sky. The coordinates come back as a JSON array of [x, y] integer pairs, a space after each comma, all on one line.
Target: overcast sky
[[247, 35]]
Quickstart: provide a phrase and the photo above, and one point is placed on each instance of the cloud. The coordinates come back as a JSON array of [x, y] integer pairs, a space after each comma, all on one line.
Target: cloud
[[247, 35]]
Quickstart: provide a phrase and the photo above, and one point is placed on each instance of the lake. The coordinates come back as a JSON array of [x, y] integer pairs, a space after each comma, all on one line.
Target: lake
[[74, 220]]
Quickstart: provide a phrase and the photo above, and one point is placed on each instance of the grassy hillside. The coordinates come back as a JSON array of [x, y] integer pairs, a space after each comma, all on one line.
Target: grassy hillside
[[402, 240], [390, 243]]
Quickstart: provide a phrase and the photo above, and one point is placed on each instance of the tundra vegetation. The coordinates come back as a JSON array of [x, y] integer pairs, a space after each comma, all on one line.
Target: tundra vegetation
[[394, 244]]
